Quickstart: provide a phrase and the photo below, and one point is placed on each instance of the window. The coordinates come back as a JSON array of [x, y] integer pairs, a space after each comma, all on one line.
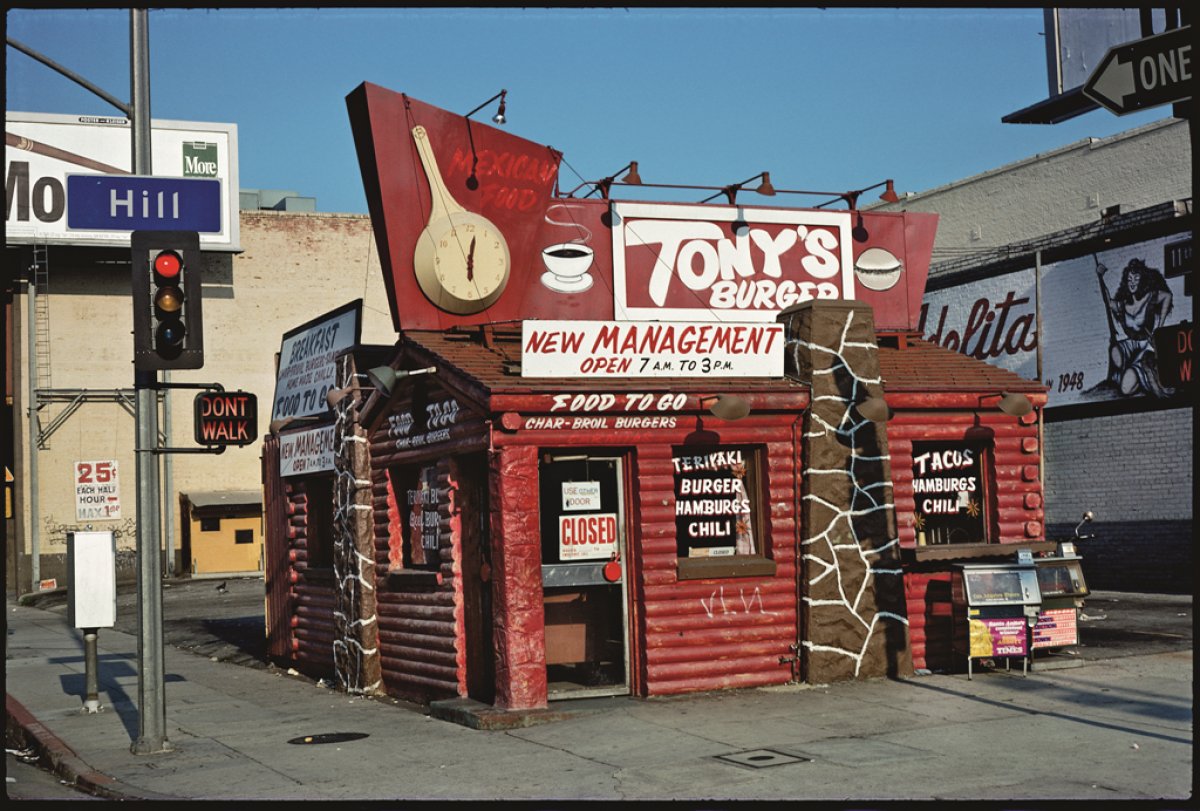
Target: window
[[718, 531], [243, 536], [949, 493], [416, 492], [210, 524]]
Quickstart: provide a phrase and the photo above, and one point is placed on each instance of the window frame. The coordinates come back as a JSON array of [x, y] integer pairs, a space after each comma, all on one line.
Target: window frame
[[757, 564], [987, 518], [405, 480]]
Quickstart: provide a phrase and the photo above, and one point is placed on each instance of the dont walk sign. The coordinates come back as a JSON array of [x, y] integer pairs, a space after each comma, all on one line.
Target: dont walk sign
[[226, 418]]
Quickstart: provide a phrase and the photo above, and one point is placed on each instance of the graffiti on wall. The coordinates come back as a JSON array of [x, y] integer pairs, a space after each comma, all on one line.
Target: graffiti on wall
[[1099, 313], [54, 540]]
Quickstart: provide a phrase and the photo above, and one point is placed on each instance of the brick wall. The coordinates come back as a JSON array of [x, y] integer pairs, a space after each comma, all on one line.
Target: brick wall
[[1059, 189], [1134, 471]]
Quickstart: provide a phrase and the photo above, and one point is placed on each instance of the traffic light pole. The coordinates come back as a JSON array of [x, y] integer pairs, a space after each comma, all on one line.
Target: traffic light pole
[[152, 706]]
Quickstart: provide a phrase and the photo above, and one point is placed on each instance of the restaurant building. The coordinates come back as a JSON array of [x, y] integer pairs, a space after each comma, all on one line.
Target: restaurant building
[[625, 447]]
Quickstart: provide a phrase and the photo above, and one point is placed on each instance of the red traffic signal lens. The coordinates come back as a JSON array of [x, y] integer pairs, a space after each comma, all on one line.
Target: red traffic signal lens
[[168, 298], [168, 264]]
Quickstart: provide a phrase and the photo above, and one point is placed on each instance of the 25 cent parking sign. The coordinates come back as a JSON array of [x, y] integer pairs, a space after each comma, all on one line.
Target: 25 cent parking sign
[[97, 491]]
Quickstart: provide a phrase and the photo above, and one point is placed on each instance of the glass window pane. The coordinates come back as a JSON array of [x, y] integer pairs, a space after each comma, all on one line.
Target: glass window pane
[[714, 503], [948, 492]]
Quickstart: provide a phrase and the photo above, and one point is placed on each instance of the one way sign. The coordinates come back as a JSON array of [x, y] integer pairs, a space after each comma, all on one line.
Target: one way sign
[[1145, 73]]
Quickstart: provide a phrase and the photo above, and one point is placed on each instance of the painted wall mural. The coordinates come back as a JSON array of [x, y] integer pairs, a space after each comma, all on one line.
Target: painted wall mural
[[1099, 313]]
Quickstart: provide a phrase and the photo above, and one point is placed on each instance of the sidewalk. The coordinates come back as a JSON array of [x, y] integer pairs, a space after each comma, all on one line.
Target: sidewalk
[[1117, 728]]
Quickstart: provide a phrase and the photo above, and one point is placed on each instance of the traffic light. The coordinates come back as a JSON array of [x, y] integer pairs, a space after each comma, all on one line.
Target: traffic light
[[167, 325]]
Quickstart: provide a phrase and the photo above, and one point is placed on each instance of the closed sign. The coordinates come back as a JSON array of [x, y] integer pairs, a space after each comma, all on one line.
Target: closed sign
[[587, 537]]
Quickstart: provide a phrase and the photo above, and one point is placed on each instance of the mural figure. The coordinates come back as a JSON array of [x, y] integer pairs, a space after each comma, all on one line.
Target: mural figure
[[1140, 306]]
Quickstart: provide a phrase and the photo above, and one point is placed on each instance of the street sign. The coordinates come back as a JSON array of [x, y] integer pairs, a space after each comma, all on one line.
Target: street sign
[[142, 203], [1145, 73], [226, 418]]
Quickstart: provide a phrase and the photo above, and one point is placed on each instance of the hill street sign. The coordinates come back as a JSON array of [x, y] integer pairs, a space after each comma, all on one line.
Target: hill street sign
[[143, 203], [1145, 73]]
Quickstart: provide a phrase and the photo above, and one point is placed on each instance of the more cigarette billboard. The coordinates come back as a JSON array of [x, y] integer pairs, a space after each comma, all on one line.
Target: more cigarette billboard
[[41, 150]]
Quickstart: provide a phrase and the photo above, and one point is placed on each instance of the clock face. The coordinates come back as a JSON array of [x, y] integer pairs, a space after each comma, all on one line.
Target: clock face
[[462, 263]]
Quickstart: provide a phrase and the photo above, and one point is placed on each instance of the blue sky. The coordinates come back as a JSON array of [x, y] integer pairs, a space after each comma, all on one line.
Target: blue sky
[[827, 100]]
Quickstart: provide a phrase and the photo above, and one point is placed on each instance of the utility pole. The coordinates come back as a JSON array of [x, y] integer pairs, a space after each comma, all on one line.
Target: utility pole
[[152, 706]]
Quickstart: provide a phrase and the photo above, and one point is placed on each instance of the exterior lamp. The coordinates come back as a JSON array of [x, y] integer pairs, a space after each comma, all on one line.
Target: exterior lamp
[[1014, 404], [765, 188], [498, 118], [384, 378], [727, 407], [874, 409], [335, 396], [632, 179]]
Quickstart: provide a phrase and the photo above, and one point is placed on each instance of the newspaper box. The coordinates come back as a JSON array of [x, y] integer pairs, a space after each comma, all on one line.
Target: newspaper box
[[1056, 633], [994, 606]]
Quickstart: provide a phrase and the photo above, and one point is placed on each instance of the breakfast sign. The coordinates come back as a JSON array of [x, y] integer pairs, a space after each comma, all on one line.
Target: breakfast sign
[[472, 229]]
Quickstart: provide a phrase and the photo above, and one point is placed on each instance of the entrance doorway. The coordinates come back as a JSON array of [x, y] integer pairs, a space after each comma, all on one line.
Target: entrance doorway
[[585, 598]]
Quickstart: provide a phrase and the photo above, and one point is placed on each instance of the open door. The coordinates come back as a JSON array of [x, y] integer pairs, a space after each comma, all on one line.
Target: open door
[[584, 575]]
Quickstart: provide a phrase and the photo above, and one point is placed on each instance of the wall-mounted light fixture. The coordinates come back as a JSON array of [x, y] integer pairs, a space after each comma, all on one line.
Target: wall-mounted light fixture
[[727, 407], [498, 118], [874, 409], [765, 188], [384, 378], [850, 198], [632, 178], [1014, 404], [335, 396]]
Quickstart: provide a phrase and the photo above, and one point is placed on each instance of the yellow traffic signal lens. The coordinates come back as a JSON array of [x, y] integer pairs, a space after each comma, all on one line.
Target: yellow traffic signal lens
[[168, 299]]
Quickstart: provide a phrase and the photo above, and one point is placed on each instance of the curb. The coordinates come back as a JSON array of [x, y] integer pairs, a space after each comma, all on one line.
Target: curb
[[25, 731]]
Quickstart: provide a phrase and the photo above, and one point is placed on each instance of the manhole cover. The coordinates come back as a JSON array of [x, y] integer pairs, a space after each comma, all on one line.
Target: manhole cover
[[330, 737], [761, 758]]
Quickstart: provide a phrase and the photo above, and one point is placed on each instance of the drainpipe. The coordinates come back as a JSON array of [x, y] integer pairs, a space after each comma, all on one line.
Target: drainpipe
[[168, 486], [1037, 306], [31, 372], [799, 494]]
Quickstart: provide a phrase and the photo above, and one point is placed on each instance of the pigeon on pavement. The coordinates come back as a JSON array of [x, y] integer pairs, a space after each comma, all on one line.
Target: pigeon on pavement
[[221, 589]]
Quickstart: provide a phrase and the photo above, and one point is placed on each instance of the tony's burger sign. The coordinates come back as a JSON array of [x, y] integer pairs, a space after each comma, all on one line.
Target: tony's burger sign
[[473, 230], [693, 263]]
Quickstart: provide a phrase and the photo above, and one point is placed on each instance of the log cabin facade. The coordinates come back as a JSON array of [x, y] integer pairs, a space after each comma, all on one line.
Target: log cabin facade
[[512, 523]]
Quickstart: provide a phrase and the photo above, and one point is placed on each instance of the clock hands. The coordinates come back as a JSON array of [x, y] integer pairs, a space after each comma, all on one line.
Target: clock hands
[[471, 262]]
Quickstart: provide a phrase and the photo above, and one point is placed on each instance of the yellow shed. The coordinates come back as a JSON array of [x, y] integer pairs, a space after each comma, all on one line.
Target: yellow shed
[[223, 531]]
